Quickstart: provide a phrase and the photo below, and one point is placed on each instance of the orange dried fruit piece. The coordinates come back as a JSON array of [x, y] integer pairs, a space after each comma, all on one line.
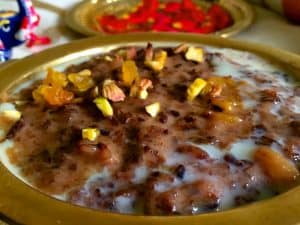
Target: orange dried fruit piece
[[227, 105], [55, 96], [83, 80], [55, 78], [112, 92], [158, 63], [129, 72], [278, 169]]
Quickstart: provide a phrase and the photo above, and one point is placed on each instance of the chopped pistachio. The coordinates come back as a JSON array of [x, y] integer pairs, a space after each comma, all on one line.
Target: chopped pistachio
[[159, 61], [195, 88], [104, 106], [195, 54], [90, 133], [153, 109]]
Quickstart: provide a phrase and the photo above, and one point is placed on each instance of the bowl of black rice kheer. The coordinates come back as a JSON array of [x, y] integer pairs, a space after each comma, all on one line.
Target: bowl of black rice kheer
[[151, 129]]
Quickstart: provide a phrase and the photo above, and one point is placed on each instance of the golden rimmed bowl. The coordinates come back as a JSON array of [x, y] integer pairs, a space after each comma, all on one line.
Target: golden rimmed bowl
[[82, 17], [26, 205]]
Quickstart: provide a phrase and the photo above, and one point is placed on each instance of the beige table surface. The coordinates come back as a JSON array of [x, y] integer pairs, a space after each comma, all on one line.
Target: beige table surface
[[268, 27]]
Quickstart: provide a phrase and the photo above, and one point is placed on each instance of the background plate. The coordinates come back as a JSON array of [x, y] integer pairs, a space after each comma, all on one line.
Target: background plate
[[81, 18]]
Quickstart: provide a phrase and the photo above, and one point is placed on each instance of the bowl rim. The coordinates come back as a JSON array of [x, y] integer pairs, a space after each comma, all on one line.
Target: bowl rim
[[27, 205]]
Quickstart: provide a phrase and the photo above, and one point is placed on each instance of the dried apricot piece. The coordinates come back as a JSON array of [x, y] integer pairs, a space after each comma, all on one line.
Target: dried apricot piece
[[278, 168], [83, 80], [56, 96], [129, 72], [55, 78]]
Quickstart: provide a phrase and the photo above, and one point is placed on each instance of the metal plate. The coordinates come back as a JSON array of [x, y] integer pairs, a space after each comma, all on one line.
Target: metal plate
[[81, 18], [26, 205]]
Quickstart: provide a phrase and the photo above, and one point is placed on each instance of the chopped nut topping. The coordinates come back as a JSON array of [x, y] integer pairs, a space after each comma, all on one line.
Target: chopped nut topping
[[104, 106], [129, 72], [195, 54], [90, 134], [139, 89], [195, 88], [112, 92], [153, 109], [159, 61], [181, 48]]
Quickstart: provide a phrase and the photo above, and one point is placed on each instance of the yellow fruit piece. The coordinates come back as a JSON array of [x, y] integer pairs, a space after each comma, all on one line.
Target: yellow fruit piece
[[195, 54], [90, 134], [104, 106], [195, 88], [12, 115], [83, 80], [159, 61], [153, 109], [278, 168], [129, 72], [55, 78], [112, 92], [38, 93]]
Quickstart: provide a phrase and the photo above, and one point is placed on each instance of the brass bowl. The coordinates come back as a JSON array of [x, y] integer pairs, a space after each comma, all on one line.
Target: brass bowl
[[27, 205], [82, 17]]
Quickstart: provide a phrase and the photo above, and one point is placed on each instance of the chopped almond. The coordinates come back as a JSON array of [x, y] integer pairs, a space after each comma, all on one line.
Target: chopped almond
[[112, 92], [153, 109]]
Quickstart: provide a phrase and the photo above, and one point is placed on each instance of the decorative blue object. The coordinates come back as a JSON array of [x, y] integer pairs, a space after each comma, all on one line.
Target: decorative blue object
[[13, 27]]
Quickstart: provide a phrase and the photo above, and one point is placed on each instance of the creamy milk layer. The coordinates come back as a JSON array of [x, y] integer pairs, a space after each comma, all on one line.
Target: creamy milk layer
[[205, 155]]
